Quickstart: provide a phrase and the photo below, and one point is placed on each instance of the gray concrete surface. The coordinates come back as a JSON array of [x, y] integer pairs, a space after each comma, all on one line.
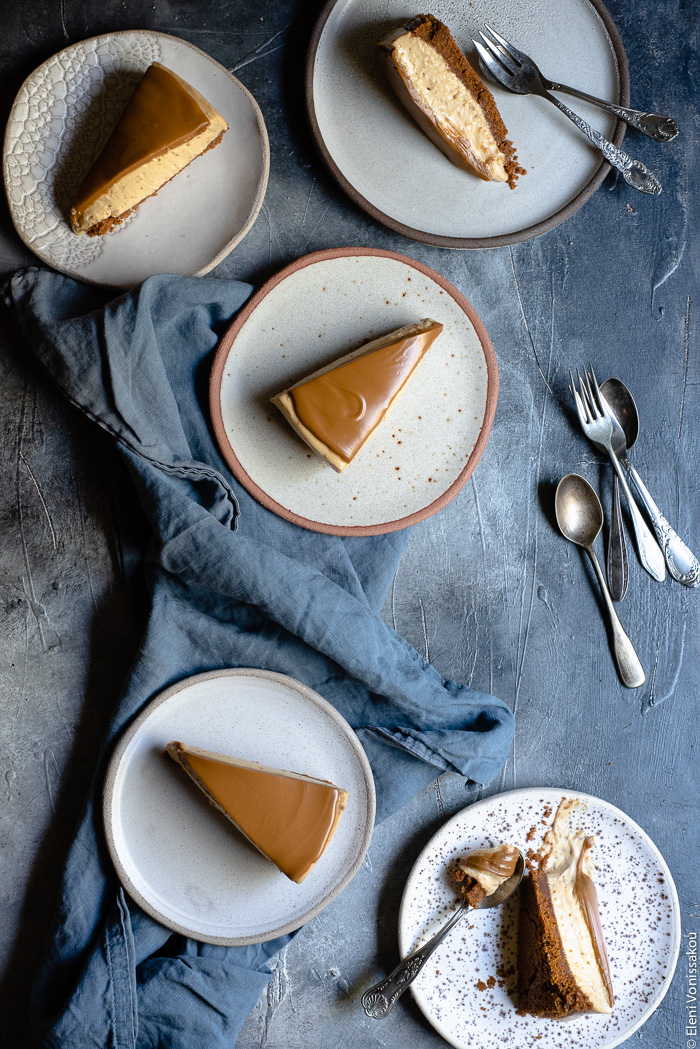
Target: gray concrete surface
[[487, 589]]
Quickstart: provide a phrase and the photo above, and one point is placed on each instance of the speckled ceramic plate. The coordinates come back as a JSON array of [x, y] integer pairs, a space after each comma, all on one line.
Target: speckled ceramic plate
[[62, 115], [310, 314], [465, 990], [178, 857], [390, 168]]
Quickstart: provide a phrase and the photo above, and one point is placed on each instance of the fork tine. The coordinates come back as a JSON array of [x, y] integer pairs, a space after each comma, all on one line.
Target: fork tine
[[583, 383], [512, 51], [597, 411], [586, 395], [580, 407], [596, 389], [493, 64], [500, 54]]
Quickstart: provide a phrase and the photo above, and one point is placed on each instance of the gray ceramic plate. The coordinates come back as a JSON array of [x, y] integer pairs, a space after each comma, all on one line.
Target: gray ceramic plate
[[388, 166], [467, 989], [310, 314], [179, 858], [57, 124]]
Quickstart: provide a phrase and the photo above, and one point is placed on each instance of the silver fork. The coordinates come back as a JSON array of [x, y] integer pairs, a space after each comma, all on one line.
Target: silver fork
[[518, 73], [601, 427], [653, 125]]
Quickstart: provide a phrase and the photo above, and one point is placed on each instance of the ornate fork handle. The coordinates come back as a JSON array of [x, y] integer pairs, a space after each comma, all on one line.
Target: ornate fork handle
[[634, 172], [660, 128], [682, 563], [380, 999]]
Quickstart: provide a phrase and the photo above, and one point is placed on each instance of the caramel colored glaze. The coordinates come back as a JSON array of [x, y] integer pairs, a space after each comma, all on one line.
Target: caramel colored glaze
[[159, 116], [500, 862], [290, 820], [343, 406], [587, 896]]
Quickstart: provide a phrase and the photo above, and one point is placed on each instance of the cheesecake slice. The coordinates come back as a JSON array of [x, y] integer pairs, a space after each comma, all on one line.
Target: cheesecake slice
[[337, 409], [165, 125], [290, 818], [438, 87], [563, 967], [484, 870]]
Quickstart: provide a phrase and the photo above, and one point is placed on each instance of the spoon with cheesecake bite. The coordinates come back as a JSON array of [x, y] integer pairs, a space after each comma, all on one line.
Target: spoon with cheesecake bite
[[488, 878]]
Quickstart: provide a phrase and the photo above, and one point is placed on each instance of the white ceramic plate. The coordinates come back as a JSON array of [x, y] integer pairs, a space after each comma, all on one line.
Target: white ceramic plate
[[62, 115], [310, 314], [391, 169], [179, 858], [639, 912]]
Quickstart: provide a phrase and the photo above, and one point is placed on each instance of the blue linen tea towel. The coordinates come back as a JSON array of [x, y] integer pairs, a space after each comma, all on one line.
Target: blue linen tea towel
[[231, 585]]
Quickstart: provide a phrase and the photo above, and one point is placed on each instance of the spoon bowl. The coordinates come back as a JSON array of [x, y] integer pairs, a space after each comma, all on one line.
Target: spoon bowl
[[622, 405], [580, 518], [578, 510], [504, 891]]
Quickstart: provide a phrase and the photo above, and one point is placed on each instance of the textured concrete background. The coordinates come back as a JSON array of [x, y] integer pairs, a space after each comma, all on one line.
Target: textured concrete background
[[487, 589]]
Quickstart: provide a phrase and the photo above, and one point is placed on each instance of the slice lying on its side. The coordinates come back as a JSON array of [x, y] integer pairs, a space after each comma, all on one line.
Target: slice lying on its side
[[438, 87], [338, 408], [290, 818], [562, 964], [165, 125]]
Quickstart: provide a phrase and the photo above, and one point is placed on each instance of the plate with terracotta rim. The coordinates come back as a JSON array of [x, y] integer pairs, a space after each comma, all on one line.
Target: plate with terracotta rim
[[390, 169], [467, 991], [311, 313], [60, 118], [178, 857]]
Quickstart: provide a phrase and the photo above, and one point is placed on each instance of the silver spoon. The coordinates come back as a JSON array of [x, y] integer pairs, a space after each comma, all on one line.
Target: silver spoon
[[580, 518], [380, 999], [617, 562], [682, 563]]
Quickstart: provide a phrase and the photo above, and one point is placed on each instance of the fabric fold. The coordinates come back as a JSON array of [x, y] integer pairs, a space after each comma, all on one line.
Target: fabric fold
[[232, 585]]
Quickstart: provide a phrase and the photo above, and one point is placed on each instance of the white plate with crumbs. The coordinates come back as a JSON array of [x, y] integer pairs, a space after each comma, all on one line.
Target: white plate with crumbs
[[312, 313], [388, 166], [181, 860], [468, 989], [62, 115]]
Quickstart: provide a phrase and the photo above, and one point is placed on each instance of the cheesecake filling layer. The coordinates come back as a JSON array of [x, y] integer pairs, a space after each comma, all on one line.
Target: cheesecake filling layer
[[566, 860], [438, 90], [166, 124]]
